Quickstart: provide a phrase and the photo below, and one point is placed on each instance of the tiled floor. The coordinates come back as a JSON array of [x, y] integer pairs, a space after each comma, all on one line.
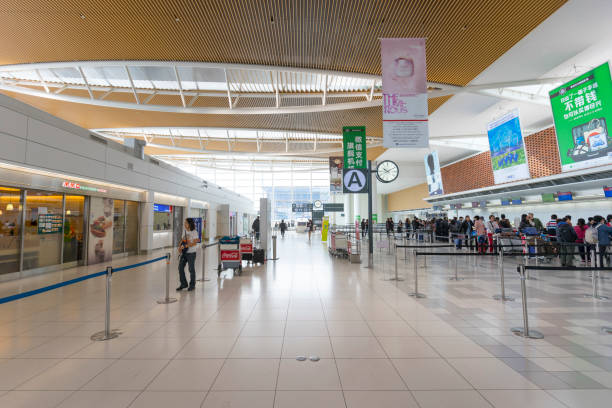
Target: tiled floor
[[234, 341]]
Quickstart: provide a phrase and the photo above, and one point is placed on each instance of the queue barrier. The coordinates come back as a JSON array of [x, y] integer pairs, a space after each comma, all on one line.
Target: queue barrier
[[107, 333], [205, 278]]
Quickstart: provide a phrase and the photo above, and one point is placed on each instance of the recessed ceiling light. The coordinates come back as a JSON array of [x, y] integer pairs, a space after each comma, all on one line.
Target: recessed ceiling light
[[82, 16], [177, 19]]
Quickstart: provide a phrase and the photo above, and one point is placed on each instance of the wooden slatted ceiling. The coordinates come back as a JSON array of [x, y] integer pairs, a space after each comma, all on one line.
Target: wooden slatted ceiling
[[463, 36]]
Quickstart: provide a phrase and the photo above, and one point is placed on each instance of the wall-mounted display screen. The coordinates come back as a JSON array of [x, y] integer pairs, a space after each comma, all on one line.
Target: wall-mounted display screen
[[508, 156], [582, 111], [516, 201], [564, 196], [608, 192], [434, 176]]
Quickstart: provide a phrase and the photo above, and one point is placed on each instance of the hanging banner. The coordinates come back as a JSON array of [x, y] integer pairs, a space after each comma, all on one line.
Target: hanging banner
[[354, 145], [199, 225], [404, 88], [433, 174], [508, 154], [581, 110], [335, 174], [100, 246]]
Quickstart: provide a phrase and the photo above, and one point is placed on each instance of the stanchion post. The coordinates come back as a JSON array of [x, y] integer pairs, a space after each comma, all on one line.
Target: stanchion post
[[204, 278], [416, 293], [594, 284], [524, 331], [502, 296], [167, 299], [107, 333]]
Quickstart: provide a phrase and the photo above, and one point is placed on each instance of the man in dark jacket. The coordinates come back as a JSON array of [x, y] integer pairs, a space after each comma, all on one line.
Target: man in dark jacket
[[565, 236], [255, 228]]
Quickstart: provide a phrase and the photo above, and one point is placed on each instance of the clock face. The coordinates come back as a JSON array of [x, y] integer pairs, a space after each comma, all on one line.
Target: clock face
[[317, 204], [387, 171]]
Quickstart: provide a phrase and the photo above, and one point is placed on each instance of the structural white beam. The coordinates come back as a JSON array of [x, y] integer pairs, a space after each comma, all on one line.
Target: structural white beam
[[44, 84], [229, 92], [127, 71], [180, 86], [324, 100], [200, 139], [148, 98], [171, 138], [91, 95]]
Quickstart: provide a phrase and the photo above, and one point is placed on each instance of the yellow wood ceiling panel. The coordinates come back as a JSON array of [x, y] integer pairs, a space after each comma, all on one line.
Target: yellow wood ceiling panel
[[463, 36]]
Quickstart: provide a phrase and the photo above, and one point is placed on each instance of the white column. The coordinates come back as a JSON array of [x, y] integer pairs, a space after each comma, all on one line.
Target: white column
[[146, 223]]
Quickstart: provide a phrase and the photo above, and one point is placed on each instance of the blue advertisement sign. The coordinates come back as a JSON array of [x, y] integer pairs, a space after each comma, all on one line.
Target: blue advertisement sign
[[198, 225], [508, 155], [162, 208]]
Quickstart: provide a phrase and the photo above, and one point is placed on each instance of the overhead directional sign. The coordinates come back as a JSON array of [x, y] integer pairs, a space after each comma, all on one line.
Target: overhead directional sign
[[354, 181], [333, 207], [301, 207]]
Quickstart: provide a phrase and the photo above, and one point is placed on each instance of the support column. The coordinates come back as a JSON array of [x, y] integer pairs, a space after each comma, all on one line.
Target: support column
[[146, 223]]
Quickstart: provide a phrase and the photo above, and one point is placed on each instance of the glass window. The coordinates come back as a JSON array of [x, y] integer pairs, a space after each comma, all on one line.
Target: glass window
[[131, 224], [73, 228], [162, 221], [43, 229], [10, 229], [118, 226]]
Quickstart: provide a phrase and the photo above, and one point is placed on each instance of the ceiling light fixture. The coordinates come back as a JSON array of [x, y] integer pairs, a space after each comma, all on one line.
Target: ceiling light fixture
[[177, 19], [9, 207], [82, 16]]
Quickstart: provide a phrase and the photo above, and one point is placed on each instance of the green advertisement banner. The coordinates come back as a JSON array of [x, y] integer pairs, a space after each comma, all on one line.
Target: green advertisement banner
[[354, 144], [581, 110]]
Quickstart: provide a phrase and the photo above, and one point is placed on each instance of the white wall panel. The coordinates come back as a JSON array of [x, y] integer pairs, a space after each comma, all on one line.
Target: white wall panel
[[48, 135], [59, 160], [13, 123], [12, 148]]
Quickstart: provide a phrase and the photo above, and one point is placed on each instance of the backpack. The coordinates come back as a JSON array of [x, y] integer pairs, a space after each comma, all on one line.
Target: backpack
[[566, 233], [591, 235]]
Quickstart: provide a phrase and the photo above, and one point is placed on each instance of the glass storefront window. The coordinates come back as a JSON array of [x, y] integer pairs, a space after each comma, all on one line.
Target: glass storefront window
[[10, 229], [118, 226], [73, 228], [43, 229], [131, 224], [162, 221]]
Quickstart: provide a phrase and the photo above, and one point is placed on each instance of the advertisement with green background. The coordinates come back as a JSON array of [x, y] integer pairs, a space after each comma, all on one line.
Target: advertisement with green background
[[582, 110], [354, 144]]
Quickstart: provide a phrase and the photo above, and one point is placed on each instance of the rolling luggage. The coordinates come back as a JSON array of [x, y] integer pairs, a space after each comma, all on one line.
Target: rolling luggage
[[259, 256]]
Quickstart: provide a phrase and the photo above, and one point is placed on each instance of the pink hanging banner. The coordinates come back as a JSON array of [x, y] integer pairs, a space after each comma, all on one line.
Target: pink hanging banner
[[404, 86]]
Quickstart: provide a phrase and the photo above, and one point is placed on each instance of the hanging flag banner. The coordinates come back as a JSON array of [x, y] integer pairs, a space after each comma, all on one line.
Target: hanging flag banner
[[508, 154], [433, 174], [404, 88], [354, 144], [581, 110], [335, 174]]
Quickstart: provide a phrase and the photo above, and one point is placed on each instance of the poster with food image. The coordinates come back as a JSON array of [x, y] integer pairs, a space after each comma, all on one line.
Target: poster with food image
[[100, 245], [582, 110]]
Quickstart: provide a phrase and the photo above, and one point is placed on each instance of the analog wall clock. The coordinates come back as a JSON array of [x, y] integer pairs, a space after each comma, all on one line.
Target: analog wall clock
[[387, 171]]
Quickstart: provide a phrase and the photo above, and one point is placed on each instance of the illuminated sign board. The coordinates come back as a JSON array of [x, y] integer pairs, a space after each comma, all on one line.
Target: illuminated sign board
[[76, 186]]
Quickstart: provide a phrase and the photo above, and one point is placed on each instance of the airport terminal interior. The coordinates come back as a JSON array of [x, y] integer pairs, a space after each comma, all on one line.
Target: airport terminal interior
[[298, 204]]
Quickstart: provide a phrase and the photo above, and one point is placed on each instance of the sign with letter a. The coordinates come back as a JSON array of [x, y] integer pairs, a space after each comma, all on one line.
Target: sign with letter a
[[354, 181]]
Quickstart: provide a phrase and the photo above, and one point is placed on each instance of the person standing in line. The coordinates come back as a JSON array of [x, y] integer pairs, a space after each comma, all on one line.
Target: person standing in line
[[363, 227], [580, 229], [551, 228], [566, 236], [604, 233], [535, 222], [283, 228], [492, 228], [481, 235], [187, 253]]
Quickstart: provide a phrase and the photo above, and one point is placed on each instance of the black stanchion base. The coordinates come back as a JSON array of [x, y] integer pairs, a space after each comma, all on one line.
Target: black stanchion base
[[417, 295], [453, 278], [395, 279], [206, 279], [102, 336], [505, 299], [606, 330], [532, 334], [166, 301]]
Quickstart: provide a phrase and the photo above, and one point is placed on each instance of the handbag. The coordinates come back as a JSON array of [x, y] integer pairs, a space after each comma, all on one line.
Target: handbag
[[183, 247]]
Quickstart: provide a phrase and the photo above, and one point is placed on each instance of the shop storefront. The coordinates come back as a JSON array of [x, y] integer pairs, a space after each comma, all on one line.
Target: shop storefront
[[47, 224]]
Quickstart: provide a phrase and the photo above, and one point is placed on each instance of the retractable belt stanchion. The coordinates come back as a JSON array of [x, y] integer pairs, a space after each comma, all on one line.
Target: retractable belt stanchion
[[456, 277], [167, 299], [396, 278], [594, 280], [204, 278], [107, 334], [502, 296], [416, 293], [524, 331]]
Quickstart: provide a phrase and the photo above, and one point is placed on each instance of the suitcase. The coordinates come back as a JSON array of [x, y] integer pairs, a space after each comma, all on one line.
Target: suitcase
[[259, 256]]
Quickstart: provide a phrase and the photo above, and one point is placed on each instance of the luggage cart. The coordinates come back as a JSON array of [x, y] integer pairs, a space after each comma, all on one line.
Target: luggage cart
[[246, 249], [229, 255]]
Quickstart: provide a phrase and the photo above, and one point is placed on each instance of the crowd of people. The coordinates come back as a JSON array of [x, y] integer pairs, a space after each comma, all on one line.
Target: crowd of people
[[480, 231]]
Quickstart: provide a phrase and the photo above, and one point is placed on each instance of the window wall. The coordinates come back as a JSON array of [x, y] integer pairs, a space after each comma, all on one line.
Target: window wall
[[10, 229], [284, 183]]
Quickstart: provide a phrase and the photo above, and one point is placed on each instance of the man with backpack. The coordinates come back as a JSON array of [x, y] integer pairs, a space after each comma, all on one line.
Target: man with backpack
[[604, 233], [565, 236]]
